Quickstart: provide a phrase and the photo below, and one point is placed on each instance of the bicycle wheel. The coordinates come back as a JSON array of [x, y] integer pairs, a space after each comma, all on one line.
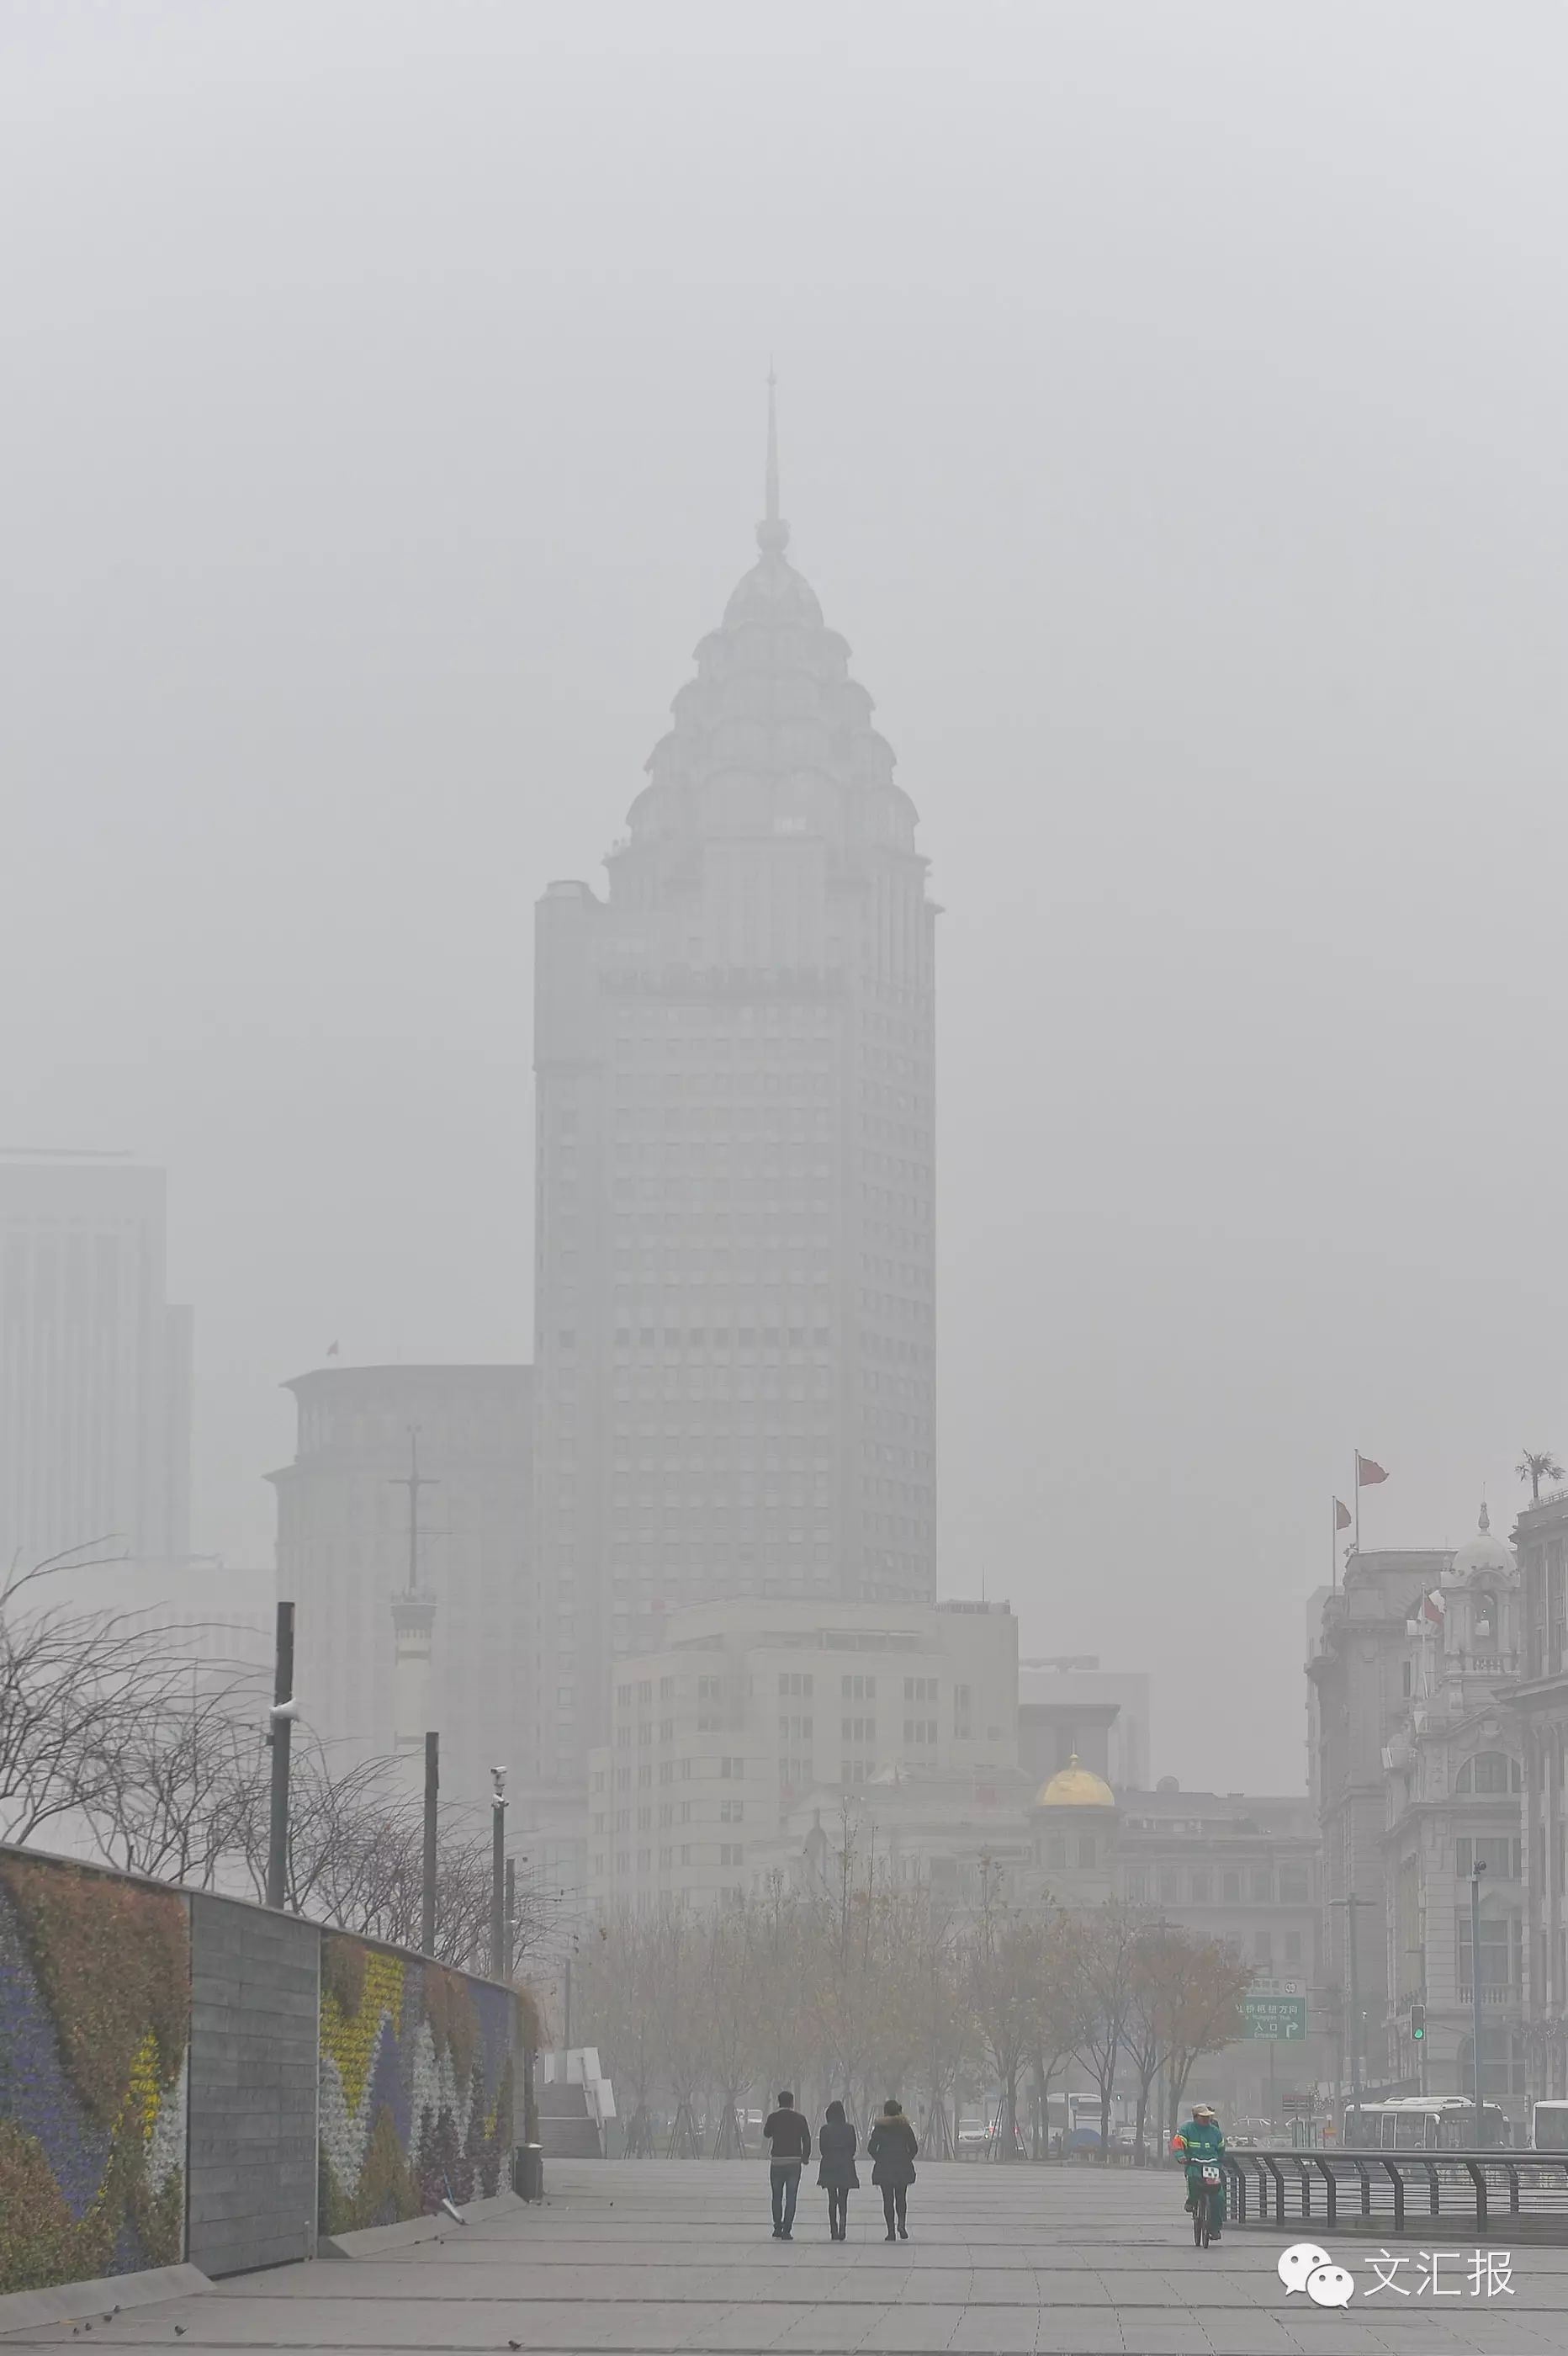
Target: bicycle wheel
[[1201, 2216]]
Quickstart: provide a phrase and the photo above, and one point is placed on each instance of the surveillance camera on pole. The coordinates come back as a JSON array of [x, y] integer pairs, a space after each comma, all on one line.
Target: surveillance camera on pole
[[500, 1959]]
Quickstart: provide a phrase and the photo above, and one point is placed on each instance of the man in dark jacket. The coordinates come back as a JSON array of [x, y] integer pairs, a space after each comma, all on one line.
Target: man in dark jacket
[[789, 2143]]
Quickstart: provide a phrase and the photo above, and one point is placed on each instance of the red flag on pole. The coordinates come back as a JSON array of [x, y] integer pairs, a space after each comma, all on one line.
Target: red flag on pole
[[1368, 1475], [1342, 1515]]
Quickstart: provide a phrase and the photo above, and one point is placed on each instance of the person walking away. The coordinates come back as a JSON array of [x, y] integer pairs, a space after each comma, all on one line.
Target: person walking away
[[892, 2146], [1201, 2144], [836, 2171], [788, 2139]]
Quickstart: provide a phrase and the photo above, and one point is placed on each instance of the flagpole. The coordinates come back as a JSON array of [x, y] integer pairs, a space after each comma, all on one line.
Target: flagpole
[[1356, 1478], [1333, 1542]]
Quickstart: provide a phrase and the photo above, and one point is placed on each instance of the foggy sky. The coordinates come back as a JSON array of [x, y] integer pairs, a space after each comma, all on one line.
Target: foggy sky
[[1173, 415]]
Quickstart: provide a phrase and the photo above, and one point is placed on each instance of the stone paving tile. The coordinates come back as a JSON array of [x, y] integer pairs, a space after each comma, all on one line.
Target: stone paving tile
[[659, 2259]]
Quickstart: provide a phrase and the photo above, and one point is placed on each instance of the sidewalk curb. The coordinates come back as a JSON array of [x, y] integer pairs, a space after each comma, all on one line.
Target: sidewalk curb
[[372, 2240], [29, 2310]]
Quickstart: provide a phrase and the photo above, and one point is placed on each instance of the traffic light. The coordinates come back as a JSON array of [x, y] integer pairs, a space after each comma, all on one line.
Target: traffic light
[[1418, 2021]]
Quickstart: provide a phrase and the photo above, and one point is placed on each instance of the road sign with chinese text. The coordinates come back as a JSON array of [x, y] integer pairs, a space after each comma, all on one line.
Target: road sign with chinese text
[[1274, 2016]]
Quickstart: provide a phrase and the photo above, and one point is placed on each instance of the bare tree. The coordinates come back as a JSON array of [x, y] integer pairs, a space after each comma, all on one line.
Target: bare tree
[[618, 1996], [1173, 1977], [1206, 2014], [1062, 2016], [1006, 1958], [175, 1791], [1102, 1944], [946, 2026], [729, 1992], [76, 1688]]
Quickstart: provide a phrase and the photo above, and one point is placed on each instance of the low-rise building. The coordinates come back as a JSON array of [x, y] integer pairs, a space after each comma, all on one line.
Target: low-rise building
[[738, 1711], [1228, 1867]]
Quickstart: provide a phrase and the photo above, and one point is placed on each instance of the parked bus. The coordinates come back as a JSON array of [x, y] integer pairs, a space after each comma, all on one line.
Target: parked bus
[[1548, 2127], [1424, 2123]]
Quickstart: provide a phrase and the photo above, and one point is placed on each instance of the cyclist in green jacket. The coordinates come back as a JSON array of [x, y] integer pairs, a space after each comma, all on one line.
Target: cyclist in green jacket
[[1201, 2143]]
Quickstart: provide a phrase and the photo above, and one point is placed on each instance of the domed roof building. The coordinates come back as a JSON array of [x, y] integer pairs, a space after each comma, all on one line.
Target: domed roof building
[[1484, 1556], [1075, 1818], [1073, 1786]]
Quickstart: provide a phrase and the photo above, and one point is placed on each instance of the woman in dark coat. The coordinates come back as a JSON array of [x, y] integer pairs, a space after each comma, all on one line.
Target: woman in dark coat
[[892, 2146], [836, 2169]]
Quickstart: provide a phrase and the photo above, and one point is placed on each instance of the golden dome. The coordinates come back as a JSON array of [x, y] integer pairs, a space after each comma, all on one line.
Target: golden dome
[[1076, 1787]]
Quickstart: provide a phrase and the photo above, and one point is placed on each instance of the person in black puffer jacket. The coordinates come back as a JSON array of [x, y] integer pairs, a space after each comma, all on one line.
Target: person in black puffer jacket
[[892, 2146], [836, 2172]]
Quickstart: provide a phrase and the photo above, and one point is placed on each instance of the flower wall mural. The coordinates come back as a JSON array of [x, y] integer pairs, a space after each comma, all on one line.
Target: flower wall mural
[[416, 2085], [95, 2002]]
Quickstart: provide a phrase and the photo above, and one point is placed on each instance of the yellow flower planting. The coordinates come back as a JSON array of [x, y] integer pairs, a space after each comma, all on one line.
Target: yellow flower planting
[[143, 2093], [349, 2038]]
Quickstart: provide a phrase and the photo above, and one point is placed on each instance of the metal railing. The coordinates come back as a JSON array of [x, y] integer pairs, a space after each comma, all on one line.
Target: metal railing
[[1400, 2191]]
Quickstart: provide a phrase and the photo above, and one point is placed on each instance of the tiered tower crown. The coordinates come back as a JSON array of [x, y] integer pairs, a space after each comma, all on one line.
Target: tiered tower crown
[[773, 736]]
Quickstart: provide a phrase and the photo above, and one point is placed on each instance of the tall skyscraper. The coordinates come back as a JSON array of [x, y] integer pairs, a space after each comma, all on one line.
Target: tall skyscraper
[[735, 1245], [94, 1363]]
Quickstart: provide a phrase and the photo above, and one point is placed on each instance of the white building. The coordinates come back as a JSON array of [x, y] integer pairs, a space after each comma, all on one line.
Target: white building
[[344, 1561], [94, 1365], [742, 1712]]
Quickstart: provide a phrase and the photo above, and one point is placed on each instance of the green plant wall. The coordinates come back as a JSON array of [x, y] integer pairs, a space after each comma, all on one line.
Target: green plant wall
[[95, 2010], [416, 2085]]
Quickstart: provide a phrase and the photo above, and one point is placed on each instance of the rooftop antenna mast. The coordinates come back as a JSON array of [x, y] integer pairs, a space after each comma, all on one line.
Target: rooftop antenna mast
[[772, 532], [770, 486]]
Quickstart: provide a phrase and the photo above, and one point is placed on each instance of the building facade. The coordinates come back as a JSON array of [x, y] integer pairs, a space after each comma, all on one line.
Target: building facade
[[95, 1367], [1453, 1787], [1230, 1867], [458, 1599], [1359, 1672], [1071, 1709], [735, 1276], [742, 1713], [1540, 1704]]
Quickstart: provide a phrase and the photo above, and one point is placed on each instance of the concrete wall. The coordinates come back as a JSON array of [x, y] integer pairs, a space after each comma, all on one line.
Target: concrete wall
[[254, 1988]]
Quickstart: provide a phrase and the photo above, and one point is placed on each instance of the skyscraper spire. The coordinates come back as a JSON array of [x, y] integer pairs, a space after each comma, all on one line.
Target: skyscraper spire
[[771, 533], [772, 476]]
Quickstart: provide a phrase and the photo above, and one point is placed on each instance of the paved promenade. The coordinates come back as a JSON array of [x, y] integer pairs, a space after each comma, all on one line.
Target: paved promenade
[[635, 2259]]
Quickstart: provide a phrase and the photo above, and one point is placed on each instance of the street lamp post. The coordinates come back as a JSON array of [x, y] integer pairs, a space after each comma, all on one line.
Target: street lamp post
[[498, 1968], [1476, 1873], [1349, 1905], [280, 1734], [428, 1860]]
